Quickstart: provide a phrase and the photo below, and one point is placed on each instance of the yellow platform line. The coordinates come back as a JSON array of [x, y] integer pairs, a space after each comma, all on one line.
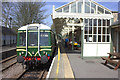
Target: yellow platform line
[[68, 73], [58, 63]]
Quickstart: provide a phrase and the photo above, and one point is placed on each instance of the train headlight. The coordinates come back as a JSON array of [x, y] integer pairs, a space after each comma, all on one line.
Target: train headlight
[[22, 52], [32, 52], [44, 52]]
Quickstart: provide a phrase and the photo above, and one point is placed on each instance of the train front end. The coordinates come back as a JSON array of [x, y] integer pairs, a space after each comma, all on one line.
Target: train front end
[[34, 44]]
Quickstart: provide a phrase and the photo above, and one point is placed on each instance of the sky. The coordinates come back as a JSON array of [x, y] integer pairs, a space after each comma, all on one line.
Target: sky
[[110, 4]]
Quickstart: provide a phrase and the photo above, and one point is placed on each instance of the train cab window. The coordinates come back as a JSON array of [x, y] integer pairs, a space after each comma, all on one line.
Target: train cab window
[[22, 39], [32, 38], [44, 39]]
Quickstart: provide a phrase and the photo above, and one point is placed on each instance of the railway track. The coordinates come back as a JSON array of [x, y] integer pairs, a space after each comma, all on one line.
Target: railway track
[[8, 62], [35, 74]]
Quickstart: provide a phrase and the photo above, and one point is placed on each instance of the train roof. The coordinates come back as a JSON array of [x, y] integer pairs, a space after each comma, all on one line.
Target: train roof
[[34, 26]]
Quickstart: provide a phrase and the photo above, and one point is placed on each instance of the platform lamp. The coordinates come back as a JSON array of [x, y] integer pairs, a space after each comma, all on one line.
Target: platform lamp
[[10, 30]]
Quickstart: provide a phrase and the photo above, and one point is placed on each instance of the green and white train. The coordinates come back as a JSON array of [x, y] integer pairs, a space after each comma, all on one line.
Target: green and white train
[[36, 44]]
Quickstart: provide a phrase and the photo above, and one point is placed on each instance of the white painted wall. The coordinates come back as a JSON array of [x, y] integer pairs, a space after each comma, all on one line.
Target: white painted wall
[[96, 49]]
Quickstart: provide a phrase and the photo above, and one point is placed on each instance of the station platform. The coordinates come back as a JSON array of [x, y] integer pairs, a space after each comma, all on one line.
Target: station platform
[[7, 51], [69, 64], [7, 48]]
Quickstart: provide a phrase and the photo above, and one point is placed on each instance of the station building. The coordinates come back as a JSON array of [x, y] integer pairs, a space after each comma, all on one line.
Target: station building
[[92, 22], [8, 35]]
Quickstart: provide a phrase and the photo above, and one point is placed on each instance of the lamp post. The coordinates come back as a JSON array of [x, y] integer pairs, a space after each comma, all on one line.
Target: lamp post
[[10, 30]]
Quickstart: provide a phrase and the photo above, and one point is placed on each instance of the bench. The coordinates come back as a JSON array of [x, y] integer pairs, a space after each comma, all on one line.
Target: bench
[[111, 59]]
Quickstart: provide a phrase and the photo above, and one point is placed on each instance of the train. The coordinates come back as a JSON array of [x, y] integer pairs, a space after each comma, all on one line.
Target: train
[[36, 44]]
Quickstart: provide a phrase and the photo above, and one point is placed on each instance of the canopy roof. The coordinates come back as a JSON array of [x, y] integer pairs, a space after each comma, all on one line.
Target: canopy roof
[[77, 7], [35, 27]]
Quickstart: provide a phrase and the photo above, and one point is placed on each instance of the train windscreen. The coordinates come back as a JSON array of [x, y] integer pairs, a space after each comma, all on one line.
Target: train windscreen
[[44, 39], [32, 38]]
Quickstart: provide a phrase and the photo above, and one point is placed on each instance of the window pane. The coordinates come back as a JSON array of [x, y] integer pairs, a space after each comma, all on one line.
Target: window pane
[[22, 39], [99, 38], [104, 22], [93, 8], [59, 10], [79, 7], [87, 7], [108, 38], [99, 30], [44, 39], [108, 31], [86, 22], [103, 30], [66, 9], [86, 30], [73, 7], [94, 38], [100, 10], [95, 22], [86, 38], [90, 22], [94, 30], [108, 22], [107, 12], [90, 38], [103, 38], [32, 38], [90, 30], [99, 22]]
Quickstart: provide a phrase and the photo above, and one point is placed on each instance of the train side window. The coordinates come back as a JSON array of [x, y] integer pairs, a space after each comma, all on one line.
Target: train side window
[[22, 39]]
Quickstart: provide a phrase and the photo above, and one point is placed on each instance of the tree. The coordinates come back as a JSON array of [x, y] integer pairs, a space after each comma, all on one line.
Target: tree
[[6, 13], [23, 13], [29, 12]]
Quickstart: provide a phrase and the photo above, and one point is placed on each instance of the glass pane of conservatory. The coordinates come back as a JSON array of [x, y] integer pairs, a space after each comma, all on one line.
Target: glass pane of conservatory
[[90, 22], [99, 22], [86, 38], [94, 38], [103, 38], [73, 7], [86, 22], [93, 8], [104, 22], [99, 38], [90, 30], [103, 30], [99, 30], [108, 38], [59, 10], [107, 12], [94, 30], [87, 7], [100, 10], [86, 30], [95, 22], [66, 9], [79, 7], [108, 22]]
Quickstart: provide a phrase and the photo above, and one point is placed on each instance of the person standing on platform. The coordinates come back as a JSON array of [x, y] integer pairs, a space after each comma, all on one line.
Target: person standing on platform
[[66, 42]]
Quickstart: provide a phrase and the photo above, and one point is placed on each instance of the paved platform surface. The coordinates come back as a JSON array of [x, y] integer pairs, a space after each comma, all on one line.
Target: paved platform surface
[[92, 68]]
